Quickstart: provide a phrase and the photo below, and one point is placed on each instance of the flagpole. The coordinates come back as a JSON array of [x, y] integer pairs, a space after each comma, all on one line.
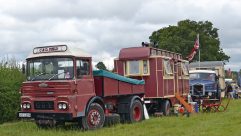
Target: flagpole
[[198, 50]]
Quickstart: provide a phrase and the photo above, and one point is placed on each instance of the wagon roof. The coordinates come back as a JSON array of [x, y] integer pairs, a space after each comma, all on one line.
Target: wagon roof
[[134, 53], [137, 53]]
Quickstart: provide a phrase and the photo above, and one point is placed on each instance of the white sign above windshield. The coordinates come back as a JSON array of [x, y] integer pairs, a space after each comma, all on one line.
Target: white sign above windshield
[[49, 49]]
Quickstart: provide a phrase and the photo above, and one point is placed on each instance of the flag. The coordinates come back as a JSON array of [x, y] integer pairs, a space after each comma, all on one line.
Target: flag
[[196, 45], [194, 49]]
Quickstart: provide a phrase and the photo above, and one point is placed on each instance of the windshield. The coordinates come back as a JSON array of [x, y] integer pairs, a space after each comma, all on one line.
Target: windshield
[[50, 69], [203, 76]]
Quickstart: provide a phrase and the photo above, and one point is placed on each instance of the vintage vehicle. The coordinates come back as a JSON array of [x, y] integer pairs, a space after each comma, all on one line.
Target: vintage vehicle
[[204, 84], [165, 74], [217, 66], [61, 87]]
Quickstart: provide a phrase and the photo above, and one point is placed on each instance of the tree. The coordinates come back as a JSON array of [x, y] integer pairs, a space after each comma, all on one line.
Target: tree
[[101, 65], [181, 39]]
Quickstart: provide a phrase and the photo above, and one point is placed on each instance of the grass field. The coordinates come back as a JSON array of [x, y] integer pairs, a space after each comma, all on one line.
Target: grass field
[[203, 124]]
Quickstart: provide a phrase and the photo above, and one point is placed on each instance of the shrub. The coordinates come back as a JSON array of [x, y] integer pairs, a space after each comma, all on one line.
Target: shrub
[[10, 82]]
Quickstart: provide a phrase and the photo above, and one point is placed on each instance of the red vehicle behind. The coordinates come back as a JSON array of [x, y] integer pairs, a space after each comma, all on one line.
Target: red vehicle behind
[[165, 74], [61, 87]]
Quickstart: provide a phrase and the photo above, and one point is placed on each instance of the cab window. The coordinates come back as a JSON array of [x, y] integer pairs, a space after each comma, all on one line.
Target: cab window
[[83, 68]]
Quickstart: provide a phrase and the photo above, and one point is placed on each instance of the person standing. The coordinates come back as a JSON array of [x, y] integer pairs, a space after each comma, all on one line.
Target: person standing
[[230, 91]]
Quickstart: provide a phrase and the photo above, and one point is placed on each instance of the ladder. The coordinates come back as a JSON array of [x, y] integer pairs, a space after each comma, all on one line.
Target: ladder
[[187, 106]]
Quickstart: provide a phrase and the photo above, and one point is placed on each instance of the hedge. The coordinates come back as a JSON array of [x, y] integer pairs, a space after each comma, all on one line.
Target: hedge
[[10, 82]]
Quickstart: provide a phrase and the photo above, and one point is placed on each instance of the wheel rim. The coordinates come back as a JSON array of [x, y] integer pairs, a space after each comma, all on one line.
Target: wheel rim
[[94, 118], [137, 113]]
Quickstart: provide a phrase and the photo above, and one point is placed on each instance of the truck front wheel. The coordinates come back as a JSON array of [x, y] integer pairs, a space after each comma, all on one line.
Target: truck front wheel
[[94, 118]]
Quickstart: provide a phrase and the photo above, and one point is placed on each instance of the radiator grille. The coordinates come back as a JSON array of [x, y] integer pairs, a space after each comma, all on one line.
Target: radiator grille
[[44, 105], [198, 90]]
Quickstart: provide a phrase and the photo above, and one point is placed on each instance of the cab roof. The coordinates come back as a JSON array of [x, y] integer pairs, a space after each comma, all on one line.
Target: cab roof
[[57, 50], [202, 71]]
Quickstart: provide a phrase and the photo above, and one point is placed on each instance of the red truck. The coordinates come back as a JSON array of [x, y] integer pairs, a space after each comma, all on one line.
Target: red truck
[[62, 87]]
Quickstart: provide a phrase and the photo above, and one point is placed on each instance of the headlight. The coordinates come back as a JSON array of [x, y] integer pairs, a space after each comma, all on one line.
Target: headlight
[[26, 105], [62, 106], [209, 93]]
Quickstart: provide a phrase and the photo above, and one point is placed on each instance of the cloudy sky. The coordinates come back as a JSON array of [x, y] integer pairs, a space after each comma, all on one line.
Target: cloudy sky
[[103, 27]]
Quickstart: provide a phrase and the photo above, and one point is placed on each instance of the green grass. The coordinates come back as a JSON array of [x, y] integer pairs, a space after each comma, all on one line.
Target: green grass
[[202, 124]]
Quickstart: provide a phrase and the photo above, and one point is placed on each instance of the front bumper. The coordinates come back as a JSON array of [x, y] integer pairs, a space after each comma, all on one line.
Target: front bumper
[[46, 116]]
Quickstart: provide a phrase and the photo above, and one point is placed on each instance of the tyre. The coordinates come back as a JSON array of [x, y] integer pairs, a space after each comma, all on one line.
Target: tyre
[[94, 118], [136, 113], [112, 119], [165, 107]]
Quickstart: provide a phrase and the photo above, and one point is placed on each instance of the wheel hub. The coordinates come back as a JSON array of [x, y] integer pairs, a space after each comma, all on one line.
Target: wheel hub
[[137, 113], [94, 118]]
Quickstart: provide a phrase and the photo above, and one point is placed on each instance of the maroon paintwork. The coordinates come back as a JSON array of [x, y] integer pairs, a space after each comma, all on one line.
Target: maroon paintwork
[[139, 53], [57, 91], [110, 87], [77, 93], [156, 86]]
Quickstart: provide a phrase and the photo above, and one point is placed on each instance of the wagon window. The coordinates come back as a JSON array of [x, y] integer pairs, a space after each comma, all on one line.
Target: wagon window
[[184, 69], [145, 67], [134, 67], [167, 67], [137, 68]]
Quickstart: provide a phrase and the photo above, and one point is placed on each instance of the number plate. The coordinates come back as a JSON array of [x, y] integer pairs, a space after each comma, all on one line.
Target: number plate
[[24, 115]]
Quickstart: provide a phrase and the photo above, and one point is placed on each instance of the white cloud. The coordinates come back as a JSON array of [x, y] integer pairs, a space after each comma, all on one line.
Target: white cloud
[[103, 27]]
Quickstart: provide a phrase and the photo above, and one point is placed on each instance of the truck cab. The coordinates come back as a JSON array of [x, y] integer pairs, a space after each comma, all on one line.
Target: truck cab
[[58, 80], [204, 84]]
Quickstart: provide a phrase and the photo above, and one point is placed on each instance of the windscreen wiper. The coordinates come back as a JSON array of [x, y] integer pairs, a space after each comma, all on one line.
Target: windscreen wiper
[[56, 75], [37, 76]]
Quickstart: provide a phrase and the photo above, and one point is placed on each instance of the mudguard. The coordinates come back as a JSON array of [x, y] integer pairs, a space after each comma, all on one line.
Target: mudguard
[[96, 99]]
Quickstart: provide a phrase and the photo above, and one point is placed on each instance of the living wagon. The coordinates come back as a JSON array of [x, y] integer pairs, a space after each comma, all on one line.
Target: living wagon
[[165, 74]]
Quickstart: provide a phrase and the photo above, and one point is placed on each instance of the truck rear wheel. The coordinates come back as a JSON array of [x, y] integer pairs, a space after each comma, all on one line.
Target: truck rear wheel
[[165, 107], [94, 118], [136, 112]]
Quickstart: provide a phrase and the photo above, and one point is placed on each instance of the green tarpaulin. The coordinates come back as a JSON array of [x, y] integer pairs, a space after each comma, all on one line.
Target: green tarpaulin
[[117, 77]]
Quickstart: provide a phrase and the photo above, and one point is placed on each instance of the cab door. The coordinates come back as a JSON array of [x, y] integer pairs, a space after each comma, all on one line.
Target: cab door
[[84, 84]]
